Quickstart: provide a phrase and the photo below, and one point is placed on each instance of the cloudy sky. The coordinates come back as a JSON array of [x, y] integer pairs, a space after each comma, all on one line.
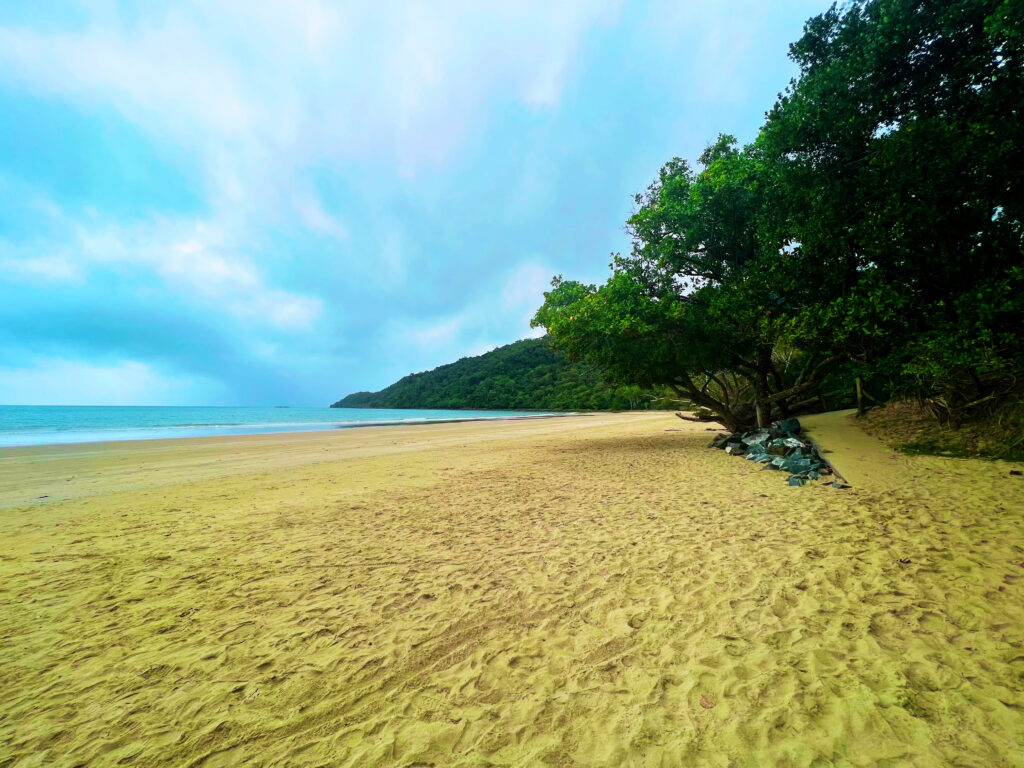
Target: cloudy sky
[[263, 202]]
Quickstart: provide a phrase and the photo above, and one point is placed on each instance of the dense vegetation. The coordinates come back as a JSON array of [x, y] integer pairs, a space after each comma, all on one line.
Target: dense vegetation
[[872, 231], [526, 375]]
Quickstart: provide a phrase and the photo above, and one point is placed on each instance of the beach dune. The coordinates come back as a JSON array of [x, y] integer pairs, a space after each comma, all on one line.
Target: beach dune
[[586, 591]]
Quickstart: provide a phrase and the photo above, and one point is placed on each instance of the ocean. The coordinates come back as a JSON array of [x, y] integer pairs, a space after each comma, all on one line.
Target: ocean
[[49, 424]]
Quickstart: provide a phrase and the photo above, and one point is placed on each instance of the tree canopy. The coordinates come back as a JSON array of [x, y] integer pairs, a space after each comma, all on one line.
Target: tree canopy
[[873, 228]]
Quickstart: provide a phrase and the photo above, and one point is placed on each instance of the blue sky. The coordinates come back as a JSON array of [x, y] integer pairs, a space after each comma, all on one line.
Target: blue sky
[[246, 202]]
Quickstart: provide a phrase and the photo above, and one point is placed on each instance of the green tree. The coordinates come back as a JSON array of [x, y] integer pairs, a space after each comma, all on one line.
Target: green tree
[[896, 158], [704, 300], [875, 224]]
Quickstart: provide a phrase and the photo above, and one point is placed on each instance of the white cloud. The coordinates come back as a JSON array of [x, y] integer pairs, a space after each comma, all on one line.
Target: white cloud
[[284, 310], [482, 324], [712, 27], [401, 83], [526, 284], [312, 214], [202, 263], [391, 265], [127, 382], [438, 334], [480, 349], [57, 269], [263, 91], [164, 75], [524, 293], [194, 265]]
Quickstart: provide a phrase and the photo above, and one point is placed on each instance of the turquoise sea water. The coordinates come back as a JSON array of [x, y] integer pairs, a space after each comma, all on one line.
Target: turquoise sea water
[[46, 424]]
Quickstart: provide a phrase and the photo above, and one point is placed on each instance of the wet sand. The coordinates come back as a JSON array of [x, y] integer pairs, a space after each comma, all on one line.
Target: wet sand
[[586, 591]]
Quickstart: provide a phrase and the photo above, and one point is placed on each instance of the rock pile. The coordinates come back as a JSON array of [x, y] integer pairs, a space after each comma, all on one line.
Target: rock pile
[[780, 447]]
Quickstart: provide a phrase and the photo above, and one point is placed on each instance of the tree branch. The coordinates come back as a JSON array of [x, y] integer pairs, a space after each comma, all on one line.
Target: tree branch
[[693, 418], [799, 389]]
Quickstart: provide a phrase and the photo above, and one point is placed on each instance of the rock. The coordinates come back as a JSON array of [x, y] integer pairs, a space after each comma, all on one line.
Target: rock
[[757, 437], [719, 441], [787, 426], [778, 448], [756, 451]]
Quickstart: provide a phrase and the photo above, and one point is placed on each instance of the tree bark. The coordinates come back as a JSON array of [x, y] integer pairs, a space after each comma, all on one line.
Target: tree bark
[[783, 405], [762, 404], [727, 417], [691, 418]]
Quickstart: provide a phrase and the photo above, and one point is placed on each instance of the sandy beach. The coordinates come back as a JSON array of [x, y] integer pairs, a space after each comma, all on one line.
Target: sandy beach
[[598, 590]]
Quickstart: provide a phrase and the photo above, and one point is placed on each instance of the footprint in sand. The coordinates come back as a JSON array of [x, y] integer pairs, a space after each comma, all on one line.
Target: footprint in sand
[[238, 634]]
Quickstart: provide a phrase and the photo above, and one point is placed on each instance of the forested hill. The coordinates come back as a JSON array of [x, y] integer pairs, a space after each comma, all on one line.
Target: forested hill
[[527, 375]]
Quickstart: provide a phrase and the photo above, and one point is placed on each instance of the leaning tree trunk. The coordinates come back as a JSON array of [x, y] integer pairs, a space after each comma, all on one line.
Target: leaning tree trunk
[[762, 404], [723, 413]]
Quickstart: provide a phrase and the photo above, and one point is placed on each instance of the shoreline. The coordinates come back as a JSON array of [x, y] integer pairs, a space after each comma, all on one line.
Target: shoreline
[[285, 429], [56, 472]]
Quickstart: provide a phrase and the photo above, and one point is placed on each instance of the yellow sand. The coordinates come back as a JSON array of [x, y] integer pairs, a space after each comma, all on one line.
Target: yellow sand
[[587, 591]]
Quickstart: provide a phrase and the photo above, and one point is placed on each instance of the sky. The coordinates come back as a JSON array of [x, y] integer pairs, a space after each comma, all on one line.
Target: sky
[[279, 202]]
